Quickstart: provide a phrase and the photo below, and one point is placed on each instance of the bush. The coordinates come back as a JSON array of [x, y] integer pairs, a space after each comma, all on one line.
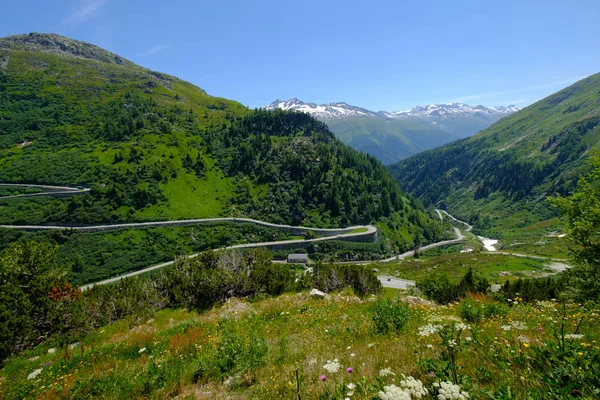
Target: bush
[[438, 287], [389, 316], [235, 352], [470, 310], [329, 277], [495, 309]]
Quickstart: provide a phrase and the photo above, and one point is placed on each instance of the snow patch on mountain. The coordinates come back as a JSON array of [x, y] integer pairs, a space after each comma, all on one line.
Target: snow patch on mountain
[[432, 111], [322, 111]]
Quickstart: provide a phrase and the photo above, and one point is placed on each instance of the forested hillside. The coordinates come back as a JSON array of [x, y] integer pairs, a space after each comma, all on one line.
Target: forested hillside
[[509, 169], [153, 147]]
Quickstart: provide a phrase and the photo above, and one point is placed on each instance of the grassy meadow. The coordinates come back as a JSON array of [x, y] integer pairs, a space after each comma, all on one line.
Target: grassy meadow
[[278, 348]]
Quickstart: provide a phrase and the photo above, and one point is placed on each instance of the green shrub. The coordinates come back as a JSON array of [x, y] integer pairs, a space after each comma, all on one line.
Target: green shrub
[[439, 288], [470, 310], [235, 352], [330, 277], [495, 309], [389, 316]]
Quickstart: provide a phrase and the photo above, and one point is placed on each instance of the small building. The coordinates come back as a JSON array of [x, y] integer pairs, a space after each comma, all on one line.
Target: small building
[[297, 258]]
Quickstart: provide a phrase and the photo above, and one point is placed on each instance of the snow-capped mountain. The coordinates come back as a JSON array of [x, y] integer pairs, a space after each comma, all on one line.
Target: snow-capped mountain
[[451, 109], [344, 110], [323, 111], [391, 136]]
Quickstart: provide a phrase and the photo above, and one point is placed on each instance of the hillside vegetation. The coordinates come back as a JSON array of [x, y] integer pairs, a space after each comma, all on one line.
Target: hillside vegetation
[[500, 177], [153, 147]]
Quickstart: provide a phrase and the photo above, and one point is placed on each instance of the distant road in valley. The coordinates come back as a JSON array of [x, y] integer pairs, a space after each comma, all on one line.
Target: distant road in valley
[[460, 238], [47, 190]]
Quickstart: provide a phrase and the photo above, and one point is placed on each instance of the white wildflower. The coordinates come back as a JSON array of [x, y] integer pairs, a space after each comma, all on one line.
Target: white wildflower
[[429, 329], [461, 326], [449, 391], [332, 366], [523, 339], [393, 392], [386, 371], [506, 327], [468, 338], [414, 386], [573, 336], [452, 343], [143, 349], [521, 326], [351, 387], [34, 374]]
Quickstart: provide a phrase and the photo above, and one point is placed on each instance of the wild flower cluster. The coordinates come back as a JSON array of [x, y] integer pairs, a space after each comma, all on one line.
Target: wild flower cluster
[[573, 336], [386, 372], [429, 329], [332, 366], [518, 325], [393, 392], [448, 391], [410, 388], [414, 386]]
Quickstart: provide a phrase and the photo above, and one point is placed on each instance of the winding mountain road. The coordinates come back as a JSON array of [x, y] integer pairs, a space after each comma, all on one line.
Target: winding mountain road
[[460, 238], [47, 190]]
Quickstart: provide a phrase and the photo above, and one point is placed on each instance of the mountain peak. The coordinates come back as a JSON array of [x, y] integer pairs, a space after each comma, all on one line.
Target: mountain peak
[[327, 111], [59, 45]]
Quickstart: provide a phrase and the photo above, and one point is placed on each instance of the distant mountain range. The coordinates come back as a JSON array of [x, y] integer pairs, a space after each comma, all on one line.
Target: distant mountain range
[[391, 136]]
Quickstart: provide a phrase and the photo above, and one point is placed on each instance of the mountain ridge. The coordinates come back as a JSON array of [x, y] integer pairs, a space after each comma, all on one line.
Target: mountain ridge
[[154, 147], [500, 176], [340, 109]]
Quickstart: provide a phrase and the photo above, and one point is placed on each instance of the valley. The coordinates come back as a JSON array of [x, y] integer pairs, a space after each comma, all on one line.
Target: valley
[[392, 136]]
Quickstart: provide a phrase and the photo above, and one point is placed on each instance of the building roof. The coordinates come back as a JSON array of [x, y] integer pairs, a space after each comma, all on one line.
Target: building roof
[[299, 256]]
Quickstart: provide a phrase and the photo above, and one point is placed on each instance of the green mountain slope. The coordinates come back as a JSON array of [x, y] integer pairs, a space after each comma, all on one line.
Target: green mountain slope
[[501, 176], [153, 147], [387, 139]]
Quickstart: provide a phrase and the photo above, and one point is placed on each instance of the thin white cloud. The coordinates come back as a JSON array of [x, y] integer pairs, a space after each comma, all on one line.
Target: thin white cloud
[[87, 10], [527, 89], [154, 50]]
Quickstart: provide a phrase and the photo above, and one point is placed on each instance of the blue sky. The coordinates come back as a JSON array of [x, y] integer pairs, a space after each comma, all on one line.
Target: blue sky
[[381, 55]]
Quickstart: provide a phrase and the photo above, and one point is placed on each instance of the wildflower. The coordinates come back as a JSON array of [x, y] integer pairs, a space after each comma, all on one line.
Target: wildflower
[[352, 355], [350, 387], [468, 338], [429, 329], [393, 392], [349, 370], [523, 339], [573, 336], [461, 326], [414, 386], [322, 377], [518, 325], [332, 366], [386, 371], [579, 353], [506, 327], [449, 391], [525, 345], [143, 349]]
